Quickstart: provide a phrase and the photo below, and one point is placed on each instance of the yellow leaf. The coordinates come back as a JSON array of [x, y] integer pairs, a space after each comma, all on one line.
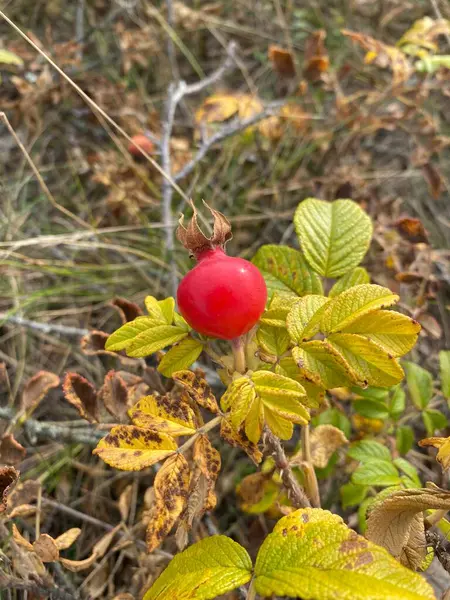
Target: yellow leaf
[[19, 539], [354, 303], [324, 441], [124, 336], [279, 426], [394, 332], [171, 489], [303, 320], [324, 366], [9, 58], [357, 276], [209, 568], [237, 439], [273, 340], [254, 421], [314, 393], [161, 311], [443, 446], [154, 339], [241, 400], [197, 388], [334, 236], [131, 448], [180, 356], [418, 41], [312, 554], [396, 522], [373, 365], [165, 414], [283, 396], [217, 108]]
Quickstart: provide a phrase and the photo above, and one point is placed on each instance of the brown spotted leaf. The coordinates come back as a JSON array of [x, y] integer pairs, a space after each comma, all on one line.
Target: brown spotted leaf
[[46, 548], [11, 452], [36, 389], [197, 388], [311, 553], [131, 448], [171, 489], [82, 395], [238, 439], [114, 395], [164, 413], [396, 522], [127, 310], [208, 460], [8, 479]]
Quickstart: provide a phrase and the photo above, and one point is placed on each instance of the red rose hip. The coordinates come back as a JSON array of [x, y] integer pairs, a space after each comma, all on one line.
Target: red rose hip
[[222, 296]]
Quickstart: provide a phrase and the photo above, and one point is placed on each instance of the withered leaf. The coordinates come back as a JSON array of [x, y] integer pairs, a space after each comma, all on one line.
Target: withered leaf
[[443, 446], [127, 310], [411, 229], [282, 61], [19, 539], [397, 522], [11, 452], [94, 343], [98, 551], [171, 490], [114, 395], [316, 56], [8, 479], [66, 539], [197, 388], [82, 395], [36, 388], [208, 460], [324, 441], [238, 439], [46, 548], [24, 493]]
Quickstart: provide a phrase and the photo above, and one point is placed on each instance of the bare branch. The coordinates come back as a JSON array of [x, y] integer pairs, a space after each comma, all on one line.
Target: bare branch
[[44, 327]]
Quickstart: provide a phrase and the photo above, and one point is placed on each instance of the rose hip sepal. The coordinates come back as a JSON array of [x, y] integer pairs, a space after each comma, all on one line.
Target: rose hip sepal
[[222, 296]]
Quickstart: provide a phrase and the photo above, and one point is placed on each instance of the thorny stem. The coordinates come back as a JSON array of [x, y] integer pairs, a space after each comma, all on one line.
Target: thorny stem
[[295, 492], [311, 484], [240, 361]]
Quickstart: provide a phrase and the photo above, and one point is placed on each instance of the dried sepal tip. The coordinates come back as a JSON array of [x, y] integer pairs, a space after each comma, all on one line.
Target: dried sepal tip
[[193, 238]]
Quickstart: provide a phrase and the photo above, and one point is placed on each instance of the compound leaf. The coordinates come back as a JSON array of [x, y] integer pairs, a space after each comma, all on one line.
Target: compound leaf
[[303, 320], [211, 567], [323, 365], [334, 236], [312, 554], [180, 356]]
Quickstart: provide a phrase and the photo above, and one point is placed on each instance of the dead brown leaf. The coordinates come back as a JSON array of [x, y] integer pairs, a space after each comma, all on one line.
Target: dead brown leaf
[[127, 310], [282, 61], [411, 229], [324, 441], [82, 395], [397, 522], [238, 439], [208, 460], [434, 179], [46, 548], [66, 539], [114, 395], [36, 388], [8, 478], [11, 452], [94, 343], [317, 60]]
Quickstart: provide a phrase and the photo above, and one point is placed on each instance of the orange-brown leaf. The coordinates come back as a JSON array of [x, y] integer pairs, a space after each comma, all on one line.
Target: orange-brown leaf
[[94, 342], [8, 479], [36, 388], [411, 229], [82, 395], [127, 310], [282, 61], [316, 56]]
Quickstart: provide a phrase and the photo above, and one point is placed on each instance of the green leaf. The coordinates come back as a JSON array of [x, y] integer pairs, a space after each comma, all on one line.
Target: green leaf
[[180, 357], [353, 304], [431, 64], [334, 236], [420, 384], [394, 332], [154, 339], [286, 270], [397, 402], [371, 409], [409, 470], [404, 439], [312, 554], [376, 472], [372, 364], [125, 335], [433, 419], [9, 58], [303, 319], [371, 393], [333, 416], [444, 363], [352, 494], [277, 311], [367, 450], [211, 567], [323, 365], [358, 276], [273, 340]]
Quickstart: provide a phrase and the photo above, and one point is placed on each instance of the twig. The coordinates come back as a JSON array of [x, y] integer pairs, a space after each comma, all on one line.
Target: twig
[[44, 327], [175, 94], [42, 591], [39, 430], [295, 492], [225, 132]]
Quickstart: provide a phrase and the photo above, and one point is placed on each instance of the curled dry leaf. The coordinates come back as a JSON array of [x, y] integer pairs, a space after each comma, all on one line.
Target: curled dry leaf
[[36, 388], [8, 478], [197, 388], [411, 229], [316, 56], [11, 452], [208, 460], [114, 395], [443, 446], [46, 548], [324, 441], [94, 342], [24, 493], [98, 551], [127, 310], [282, 61], [171, 490], [19, 539], [66, 539], [238, 439], [82, 395], [396, 522]]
